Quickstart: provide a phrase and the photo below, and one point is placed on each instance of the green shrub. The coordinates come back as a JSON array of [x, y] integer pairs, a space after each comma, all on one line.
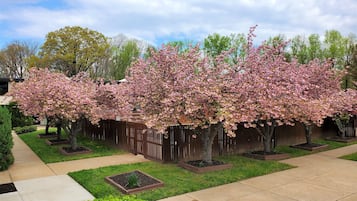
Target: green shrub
[[25, 129], [133, 180], [124, 198], [6, 158], [18, 119]]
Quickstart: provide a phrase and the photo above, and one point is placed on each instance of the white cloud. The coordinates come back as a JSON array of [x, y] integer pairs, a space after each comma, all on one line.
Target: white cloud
[[192, 19]]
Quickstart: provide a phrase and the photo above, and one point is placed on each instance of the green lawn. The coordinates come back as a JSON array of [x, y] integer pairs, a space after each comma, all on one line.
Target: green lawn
[[294, 152], [177, 180], [51, 154], [352, 157]]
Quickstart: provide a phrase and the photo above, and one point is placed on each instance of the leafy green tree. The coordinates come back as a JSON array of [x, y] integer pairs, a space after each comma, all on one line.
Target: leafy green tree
[[335, 48], [315, 47], [182, 46], [306, 49], [72, 50], [215, 44], [13, 59], [122, 59], [234, 45]]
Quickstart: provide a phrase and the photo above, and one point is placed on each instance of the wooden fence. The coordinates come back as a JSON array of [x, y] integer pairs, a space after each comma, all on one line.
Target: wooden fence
[[182, 144]]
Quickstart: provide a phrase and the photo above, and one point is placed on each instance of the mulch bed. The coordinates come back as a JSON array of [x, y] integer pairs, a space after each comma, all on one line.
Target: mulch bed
[[146, 181], [7, 188], [49, 135], [69, 151], [56, 141], [261, 155], [199, 166], [310, 147], [340, 139]]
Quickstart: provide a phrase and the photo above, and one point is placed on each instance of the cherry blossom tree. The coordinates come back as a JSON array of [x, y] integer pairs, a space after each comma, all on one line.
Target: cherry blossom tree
[[69, 100], [282, 92], [272, 95], [323, 96], [32, 95], [173, 88]]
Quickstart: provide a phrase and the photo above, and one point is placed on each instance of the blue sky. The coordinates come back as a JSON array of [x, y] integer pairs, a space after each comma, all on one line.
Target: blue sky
[[158, 21]]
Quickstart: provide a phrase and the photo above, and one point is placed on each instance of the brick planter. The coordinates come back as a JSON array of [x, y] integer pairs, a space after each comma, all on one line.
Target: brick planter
[[262, 156], [147, 182], [199, 170]]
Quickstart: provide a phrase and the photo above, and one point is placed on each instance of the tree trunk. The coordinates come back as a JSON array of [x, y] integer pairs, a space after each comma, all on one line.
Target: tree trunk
[[73, 139], [308, 132], [343, 131], [267, 132], [58, 125], [207, 137], [341, 127], [47, 126], [72, 129]]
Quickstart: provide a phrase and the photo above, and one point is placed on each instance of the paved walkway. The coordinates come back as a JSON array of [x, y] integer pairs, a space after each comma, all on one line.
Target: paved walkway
[[37, 181], [320, 176]]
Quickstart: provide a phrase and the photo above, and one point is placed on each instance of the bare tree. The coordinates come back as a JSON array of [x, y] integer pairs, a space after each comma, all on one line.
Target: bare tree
[[13, 59]]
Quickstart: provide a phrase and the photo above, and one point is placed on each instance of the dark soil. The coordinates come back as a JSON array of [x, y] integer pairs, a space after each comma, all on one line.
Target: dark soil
[[265, 153], [342, 139], [79, 149], [144, 180], [201, 163], [7, 188], [57, 141], [312, 145], [49, 135]]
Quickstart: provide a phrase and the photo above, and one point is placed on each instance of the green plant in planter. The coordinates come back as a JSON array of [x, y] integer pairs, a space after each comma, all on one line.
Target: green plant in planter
[[133, 181]]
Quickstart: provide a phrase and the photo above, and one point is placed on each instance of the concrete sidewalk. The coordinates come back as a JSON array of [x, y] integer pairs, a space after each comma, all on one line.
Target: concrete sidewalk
[[320, 176], [37, 181], [53, 188]]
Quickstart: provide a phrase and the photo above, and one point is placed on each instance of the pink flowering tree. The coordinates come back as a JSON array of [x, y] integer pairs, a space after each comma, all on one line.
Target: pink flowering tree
[[32, 94], [323, 96], [272, 93], [112, 100], [69, 100], [48, 94], [279, 92], [184, 89]]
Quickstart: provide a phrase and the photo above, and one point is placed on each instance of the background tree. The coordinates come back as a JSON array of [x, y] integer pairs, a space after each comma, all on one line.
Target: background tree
[[215, 44], [182, 46], [13, 59], [123, 57], [72, 50]]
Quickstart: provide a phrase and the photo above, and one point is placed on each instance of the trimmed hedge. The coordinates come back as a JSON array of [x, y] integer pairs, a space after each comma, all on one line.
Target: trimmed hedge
[[6, 143], [25, 129], [18, 119], [124, 198]]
